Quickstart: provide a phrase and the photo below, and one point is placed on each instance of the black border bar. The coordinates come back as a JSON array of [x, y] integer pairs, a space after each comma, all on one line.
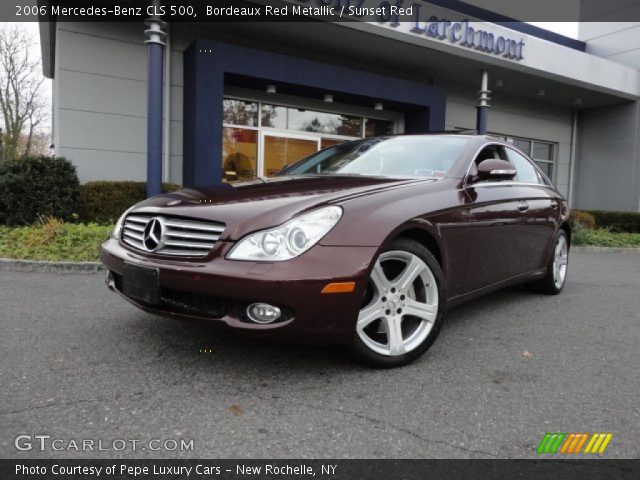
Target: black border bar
[[581, 469], [196, 10]]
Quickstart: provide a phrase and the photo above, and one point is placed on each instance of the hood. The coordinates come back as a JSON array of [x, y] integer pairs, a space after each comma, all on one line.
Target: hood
[[249, 206]]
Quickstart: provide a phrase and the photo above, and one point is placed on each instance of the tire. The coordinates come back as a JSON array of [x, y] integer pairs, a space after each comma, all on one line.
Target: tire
[[557, 267], [406, 297]]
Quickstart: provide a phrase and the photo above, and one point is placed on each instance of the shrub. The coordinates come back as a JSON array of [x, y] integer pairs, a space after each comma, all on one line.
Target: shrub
[[104, 201], [52, 227], [604, 238], [627, 222], [37, 186], [579, 234], [582, 219], [53, 240]]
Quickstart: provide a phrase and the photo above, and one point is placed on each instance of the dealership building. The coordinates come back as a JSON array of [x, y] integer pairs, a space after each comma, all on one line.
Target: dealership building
[[203, 103]]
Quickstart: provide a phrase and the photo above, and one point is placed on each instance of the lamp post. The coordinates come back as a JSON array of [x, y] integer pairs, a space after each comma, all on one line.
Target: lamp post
[[482, 111], [155, 73]]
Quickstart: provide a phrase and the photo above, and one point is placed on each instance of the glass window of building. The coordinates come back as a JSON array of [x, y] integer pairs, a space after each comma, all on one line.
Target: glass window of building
[[524, 145], [259, 139], [239, 153], [543, 153], [321, 122], [240, 112], [274, 116], [377, 128], [330, 142], [280, 151]]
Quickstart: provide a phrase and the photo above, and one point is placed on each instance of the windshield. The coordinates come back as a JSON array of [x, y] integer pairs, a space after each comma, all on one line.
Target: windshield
[[410, 156]]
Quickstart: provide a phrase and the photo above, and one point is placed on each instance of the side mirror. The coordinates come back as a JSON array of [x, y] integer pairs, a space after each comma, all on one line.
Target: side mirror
[[494, 169]]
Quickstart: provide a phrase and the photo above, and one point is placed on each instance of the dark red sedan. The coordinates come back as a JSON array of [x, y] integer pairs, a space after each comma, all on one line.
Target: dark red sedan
[[365, 244]]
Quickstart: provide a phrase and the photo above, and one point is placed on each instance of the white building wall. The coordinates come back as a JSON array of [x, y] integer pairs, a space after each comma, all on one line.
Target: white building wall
[[609, 169], [616, 41], [100, 94]]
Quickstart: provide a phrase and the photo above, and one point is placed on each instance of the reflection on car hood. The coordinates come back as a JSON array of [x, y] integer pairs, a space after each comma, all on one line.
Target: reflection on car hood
[[249, 206]]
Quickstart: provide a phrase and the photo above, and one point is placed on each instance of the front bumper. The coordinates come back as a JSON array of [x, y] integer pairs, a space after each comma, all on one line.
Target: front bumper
[[219, 290]]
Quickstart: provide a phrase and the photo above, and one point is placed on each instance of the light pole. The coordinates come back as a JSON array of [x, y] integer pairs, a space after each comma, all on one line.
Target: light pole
[[483, 104], [155, 76]]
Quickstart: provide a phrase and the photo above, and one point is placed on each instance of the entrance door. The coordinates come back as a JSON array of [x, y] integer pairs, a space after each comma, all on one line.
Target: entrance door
[[281, 149]]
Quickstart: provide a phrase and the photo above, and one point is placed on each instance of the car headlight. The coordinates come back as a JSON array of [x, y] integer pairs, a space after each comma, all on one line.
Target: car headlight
[[117, 230], [289, 239]]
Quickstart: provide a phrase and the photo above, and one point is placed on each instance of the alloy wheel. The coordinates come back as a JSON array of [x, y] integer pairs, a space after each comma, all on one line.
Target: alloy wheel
[[560, 261], [400, 305]]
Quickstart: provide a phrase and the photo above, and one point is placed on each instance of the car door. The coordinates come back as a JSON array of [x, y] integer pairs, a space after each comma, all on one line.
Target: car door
[[498, 225], [540, 207]]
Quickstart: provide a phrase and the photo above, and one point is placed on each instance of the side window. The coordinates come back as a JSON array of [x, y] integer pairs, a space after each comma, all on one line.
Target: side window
[[492, 151], [526, 171]]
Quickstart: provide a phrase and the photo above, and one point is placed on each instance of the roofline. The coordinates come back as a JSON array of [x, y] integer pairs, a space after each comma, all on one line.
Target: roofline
[[48, 36], [47, 47], [47, 28], [508, 22]]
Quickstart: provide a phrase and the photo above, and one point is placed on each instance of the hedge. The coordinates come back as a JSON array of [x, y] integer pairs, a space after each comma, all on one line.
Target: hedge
[[104, 201], [53, 240], [34, 187], [582, 219], [627, 222]]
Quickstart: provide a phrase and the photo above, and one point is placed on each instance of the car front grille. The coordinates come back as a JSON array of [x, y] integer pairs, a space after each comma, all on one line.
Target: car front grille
[[194, 303], [186, 303], [178, 236]]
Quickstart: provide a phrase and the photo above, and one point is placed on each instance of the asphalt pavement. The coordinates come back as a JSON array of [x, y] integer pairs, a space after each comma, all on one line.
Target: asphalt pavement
[[79, 363]]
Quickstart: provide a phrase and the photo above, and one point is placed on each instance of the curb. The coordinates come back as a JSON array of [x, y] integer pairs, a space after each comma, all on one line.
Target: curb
[[593, 249], [12, 265]]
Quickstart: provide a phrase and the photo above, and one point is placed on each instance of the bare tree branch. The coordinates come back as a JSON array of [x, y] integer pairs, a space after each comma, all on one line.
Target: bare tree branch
[[21, 103]]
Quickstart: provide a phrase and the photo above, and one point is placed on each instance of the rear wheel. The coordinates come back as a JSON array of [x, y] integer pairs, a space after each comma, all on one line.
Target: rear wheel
[[557, 268], [403, 306]]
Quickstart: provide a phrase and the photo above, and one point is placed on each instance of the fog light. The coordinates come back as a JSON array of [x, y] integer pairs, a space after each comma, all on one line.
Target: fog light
[[263, 313]]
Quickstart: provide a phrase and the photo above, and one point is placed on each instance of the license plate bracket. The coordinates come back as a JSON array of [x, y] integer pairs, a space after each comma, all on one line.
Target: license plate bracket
[[141, 283]]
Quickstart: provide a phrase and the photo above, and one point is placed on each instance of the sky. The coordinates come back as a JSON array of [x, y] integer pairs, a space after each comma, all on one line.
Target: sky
[[32, 29], [568, 29]]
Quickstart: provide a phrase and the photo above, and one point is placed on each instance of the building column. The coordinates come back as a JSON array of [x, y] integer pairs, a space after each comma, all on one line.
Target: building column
[[155, 76], [483, 105]]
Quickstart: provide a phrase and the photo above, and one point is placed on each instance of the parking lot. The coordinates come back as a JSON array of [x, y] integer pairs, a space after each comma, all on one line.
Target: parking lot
[[78, 362]]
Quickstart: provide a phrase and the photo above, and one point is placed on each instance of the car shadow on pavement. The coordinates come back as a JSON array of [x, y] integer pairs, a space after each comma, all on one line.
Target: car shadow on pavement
[[495, 302], [212, 346]]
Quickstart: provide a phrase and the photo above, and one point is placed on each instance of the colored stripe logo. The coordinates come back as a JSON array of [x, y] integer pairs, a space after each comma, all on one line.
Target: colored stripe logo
[[574, 443]]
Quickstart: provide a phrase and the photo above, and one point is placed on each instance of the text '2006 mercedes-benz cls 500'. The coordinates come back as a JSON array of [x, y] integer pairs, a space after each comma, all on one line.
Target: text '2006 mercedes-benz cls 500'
[[364, 244]]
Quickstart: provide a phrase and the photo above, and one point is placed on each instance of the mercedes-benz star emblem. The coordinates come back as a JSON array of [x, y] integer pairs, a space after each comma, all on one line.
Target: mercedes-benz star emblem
[[152, 235]]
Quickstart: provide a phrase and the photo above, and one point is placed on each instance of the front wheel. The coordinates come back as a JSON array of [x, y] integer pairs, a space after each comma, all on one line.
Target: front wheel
[[403, 306], [557, 268]]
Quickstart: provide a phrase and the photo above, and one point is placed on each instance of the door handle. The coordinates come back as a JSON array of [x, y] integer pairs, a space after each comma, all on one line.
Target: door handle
[[523, 206]]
